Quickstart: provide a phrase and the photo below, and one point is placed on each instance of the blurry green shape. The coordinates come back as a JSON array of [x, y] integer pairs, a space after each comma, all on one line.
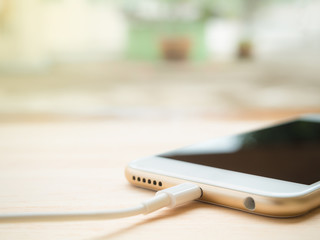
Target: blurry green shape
[[146, 39], [152, 21]]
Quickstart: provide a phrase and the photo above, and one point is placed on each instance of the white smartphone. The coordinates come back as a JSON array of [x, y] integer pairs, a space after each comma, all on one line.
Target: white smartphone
[[273, 171]]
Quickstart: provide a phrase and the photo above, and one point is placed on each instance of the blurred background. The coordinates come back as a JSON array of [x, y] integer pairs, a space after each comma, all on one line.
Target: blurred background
[[158, 58]]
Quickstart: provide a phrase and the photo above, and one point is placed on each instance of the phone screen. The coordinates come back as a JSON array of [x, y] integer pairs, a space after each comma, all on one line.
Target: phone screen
[[289, 152]]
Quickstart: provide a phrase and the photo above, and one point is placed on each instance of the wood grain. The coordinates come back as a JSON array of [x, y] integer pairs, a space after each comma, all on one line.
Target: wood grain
[[79, 165]]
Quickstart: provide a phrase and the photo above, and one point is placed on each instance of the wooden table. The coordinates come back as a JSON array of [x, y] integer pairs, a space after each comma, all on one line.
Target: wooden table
[[79, 165]]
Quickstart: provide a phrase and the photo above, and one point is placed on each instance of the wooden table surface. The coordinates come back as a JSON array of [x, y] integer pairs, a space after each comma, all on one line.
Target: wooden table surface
[[79, 165]]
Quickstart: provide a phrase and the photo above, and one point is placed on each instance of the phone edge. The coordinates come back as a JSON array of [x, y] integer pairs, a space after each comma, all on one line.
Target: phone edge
[[263, 205]]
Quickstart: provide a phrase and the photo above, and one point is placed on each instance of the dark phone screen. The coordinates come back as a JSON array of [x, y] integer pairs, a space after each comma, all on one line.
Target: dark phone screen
[[289, 152]]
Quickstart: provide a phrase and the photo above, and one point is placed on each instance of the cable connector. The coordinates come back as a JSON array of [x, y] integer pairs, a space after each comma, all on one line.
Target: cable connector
[[169, 197], [182, 193], [173, 196]]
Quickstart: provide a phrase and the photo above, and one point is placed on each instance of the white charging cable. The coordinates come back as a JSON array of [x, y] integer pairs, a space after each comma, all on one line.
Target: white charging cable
[[169, 197]]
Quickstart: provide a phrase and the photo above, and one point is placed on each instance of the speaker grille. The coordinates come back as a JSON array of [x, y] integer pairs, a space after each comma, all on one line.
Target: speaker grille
[[147, 181]]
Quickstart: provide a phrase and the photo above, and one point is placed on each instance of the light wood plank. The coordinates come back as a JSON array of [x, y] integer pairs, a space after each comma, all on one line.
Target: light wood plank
[[64, 166]]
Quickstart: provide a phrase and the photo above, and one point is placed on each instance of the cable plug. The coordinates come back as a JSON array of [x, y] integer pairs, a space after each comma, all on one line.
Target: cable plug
[[173, 196]]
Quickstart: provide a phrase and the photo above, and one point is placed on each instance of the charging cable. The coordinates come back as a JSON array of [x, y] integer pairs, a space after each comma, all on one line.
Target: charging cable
[[169, 197]]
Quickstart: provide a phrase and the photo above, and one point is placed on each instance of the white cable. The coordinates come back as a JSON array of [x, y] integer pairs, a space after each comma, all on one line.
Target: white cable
[[169, 197]]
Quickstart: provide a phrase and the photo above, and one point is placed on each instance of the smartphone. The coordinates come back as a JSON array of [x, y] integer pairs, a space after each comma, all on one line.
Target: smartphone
[[274, 171]]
